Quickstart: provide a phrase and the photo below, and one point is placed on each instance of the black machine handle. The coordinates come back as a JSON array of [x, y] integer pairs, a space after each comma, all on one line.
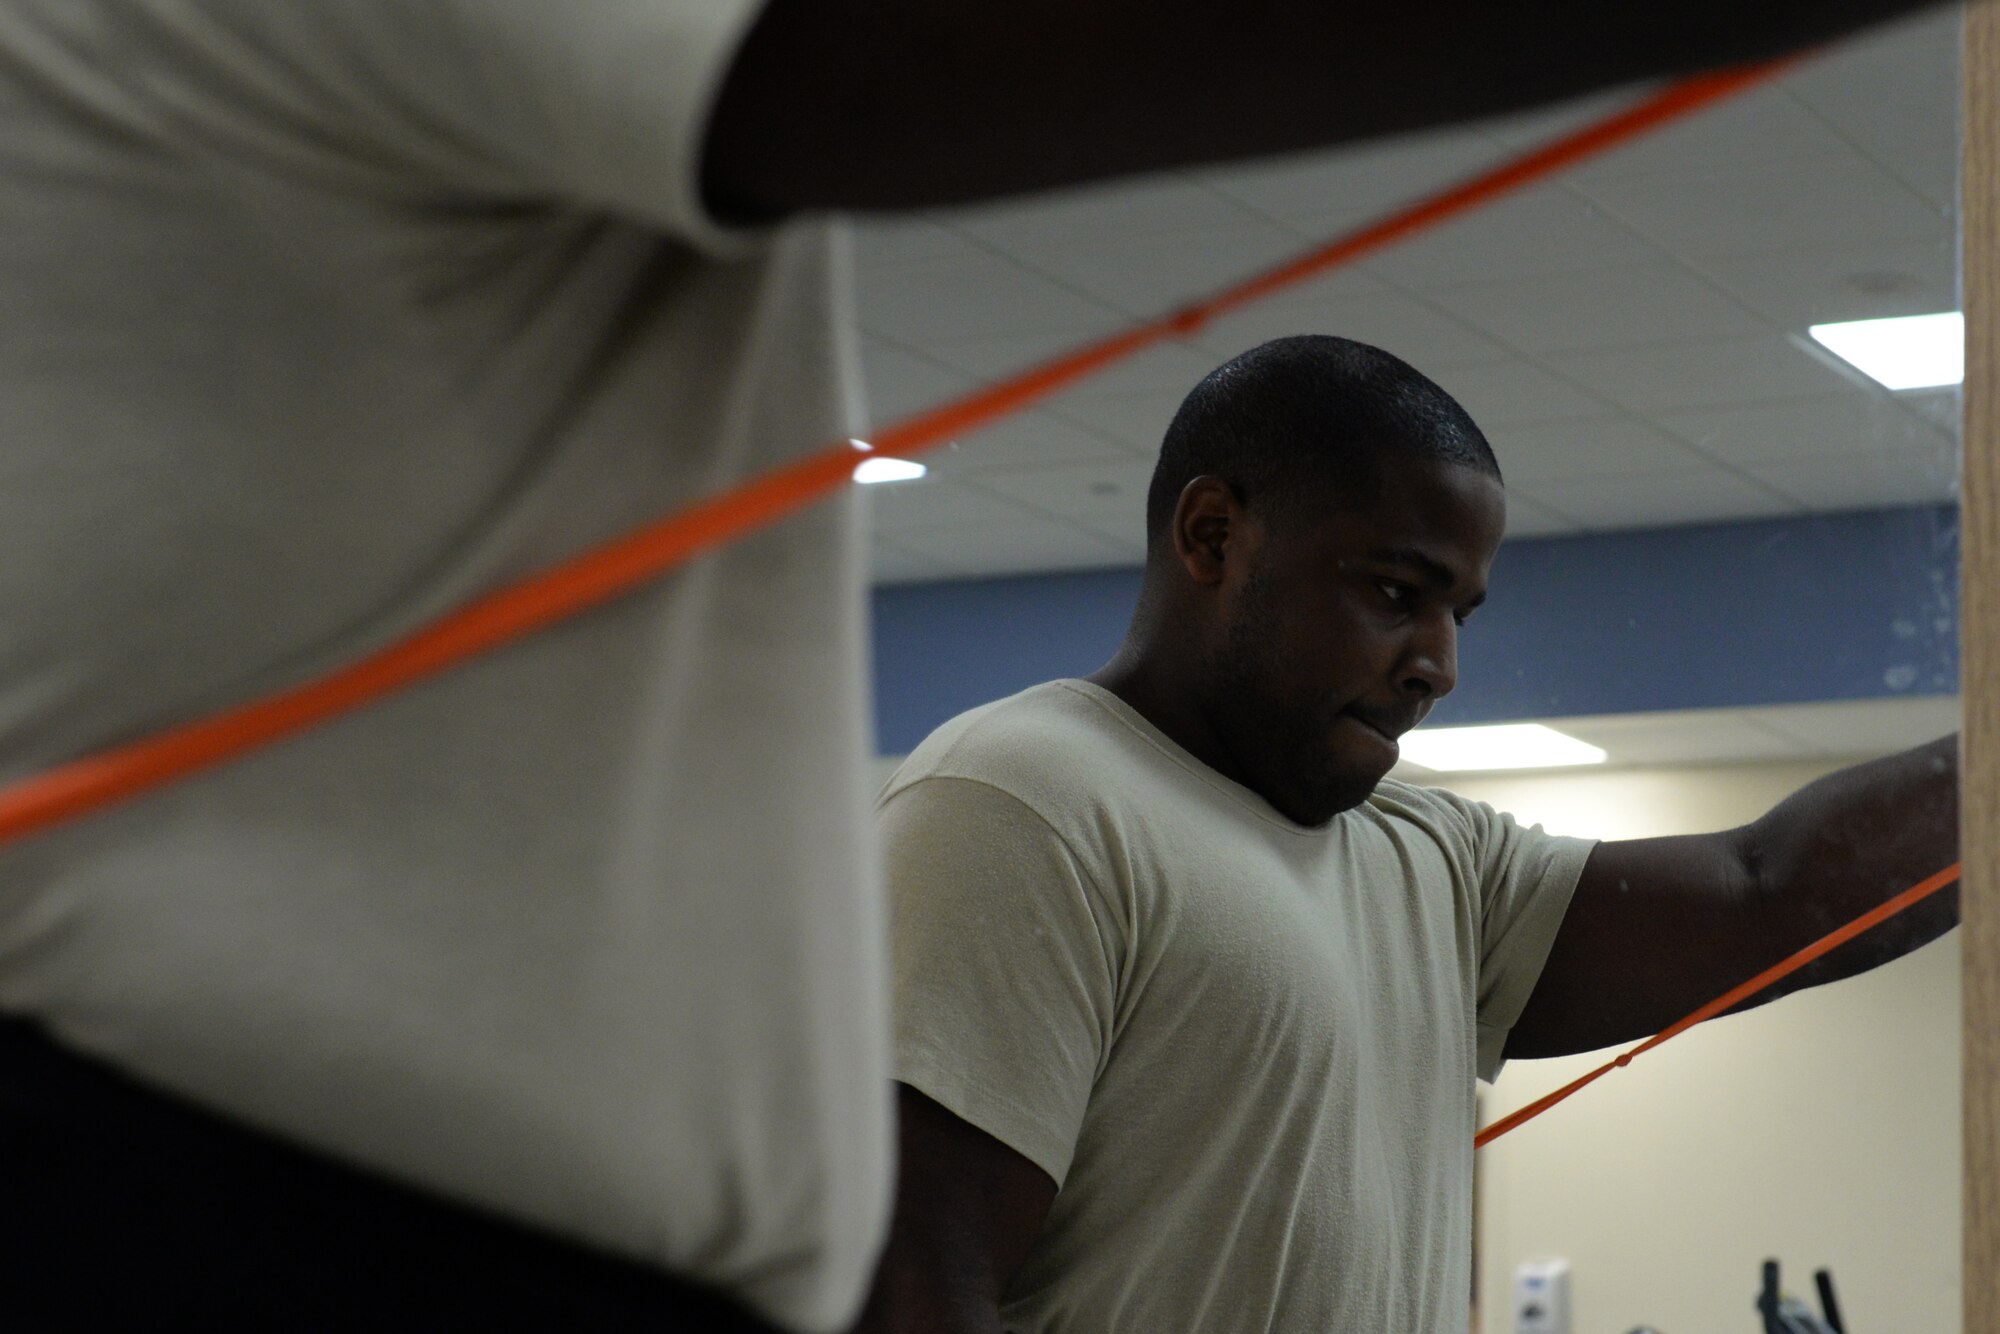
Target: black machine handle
[[1790, 1317], [1829, 1307], [1767, 1301]]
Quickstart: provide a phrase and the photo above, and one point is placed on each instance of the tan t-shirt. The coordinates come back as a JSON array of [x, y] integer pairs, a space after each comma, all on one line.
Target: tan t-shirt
[[1245, 1050]]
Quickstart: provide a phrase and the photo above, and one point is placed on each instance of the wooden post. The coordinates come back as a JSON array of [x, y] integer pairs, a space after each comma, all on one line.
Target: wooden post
[[1980, 523]]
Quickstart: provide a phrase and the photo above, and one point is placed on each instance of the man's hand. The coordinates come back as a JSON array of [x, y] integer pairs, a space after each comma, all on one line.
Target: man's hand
[[1660, 926], [876, 104], [967, 1209]]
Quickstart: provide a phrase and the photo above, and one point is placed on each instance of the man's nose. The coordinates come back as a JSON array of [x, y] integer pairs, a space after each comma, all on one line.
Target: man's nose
[[1429, 668]]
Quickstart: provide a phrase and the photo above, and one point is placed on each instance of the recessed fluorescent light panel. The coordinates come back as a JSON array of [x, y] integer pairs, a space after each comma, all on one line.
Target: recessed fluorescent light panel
[[1909, 352], [1503, 746], [871, 471]]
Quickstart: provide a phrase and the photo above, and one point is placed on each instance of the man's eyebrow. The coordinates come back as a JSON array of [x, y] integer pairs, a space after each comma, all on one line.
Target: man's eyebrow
[[1435, 571]]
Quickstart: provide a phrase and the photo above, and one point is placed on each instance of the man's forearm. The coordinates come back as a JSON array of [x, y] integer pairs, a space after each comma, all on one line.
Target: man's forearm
[[874, 104], [1850, 841]]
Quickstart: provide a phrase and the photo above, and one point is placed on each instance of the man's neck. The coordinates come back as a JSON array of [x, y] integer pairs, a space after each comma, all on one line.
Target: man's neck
[[1163, 692]]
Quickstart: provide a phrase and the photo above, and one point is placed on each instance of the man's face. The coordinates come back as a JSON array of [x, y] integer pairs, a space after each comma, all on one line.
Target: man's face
[[1342, 632]]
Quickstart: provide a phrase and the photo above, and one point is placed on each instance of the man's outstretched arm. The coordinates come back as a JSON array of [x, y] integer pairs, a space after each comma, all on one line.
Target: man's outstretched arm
[[1660, 926], [882, 104]]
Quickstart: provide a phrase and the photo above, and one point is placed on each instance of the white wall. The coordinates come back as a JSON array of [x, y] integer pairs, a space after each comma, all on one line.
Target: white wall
[[1823, 1129]]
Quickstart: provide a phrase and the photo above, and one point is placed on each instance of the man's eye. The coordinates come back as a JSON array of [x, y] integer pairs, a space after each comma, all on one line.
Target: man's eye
[[1396, 593]]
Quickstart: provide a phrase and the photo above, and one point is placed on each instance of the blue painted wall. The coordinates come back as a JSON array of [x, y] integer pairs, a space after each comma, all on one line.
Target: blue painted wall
[[1828, 607]]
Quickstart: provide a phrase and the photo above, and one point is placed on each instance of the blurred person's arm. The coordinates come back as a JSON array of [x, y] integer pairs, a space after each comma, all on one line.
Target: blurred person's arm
[[885, 104]]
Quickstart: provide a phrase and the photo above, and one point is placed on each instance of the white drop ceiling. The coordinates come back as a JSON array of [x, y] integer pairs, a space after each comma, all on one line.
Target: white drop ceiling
[[1631, 335]]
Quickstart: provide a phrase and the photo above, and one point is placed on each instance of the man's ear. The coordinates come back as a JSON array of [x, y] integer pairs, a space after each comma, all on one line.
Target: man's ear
[[1208, 519]]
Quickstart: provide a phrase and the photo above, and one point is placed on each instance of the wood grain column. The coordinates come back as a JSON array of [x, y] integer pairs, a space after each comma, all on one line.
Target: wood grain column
[[1981, 682]]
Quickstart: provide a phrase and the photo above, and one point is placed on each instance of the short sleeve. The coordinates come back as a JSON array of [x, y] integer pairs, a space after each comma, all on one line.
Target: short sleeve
[[1004, 976], [599, 103], [1526, 878]]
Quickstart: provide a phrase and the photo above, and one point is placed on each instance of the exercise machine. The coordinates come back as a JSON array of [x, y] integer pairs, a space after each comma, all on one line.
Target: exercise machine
[[1788, 1315]]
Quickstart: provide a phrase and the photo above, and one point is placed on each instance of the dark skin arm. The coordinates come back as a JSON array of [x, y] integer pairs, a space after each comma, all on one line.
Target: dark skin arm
[[888, 104], [967, 1208], [1660, 926]]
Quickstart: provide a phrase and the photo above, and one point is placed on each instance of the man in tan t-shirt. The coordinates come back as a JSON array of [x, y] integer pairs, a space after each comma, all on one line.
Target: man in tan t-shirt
[[1190, 1002]]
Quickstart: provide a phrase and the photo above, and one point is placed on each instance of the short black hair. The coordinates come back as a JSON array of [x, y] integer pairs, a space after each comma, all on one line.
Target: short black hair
[[1312, 418]]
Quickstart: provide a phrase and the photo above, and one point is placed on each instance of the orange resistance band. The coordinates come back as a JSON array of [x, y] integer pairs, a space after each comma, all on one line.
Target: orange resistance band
[[73, 790], [1909, 898], [96, 781]]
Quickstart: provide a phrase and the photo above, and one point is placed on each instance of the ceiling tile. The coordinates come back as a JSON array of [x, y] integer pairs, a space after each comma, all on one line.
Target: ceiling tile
[[1032, 439], [1588, 447], [1942, 408], [1142, 207], [901, 383], [1527, 519], [1931, 169], [1138, 421], [1709, 374], [1120, 533], [1108, 496], [896, 508], [1410, 327], [1324, 192], [1661, 499], [1832, 426], [1751, 129], [1801, 287], [1154, 274], [1514, 392], [1836, 201], [1895, 86], [883, 242], [996, 356], [1025, 546], [1545, 230], [1599, 309], [1862, 481], [1163, 366], [1532, 129], [935, 300]]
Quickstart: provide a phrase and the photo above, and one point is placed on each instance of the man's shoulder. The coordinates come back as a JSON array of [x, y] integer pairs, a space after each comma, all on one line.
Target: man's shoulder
[[1419, 804], [1473, 833], [1456, 823], [1048, 743]]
